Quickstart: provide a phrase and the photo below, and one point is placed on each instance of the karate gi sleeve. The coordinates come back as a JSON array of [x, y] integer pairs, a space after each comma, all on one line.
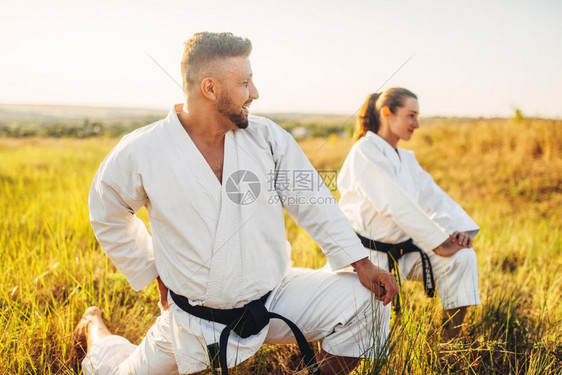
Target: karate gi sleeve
[[116, 195], [308, 201], [441, 207], [372, 174]]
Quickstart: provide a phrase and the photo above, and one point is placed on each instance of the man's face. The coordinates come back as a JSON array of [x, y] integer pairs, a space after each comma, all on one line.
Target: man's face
[[237, 91]]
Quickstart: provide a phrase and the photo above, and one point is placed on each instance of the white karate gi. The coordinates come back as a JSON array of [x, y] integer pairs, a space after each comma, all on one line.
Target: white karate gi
[[388, 197], [222, 254]]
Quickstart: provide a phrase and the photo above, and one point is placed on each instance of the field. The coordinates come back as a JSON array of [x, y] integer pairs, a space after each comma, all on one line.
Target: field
[[508, 176]]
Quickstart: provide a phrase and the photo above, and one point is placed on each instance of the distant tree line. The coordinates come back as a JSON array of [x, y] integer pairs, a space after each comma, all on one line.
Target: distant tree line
[[299, 129], [89, 129], [317, 130]]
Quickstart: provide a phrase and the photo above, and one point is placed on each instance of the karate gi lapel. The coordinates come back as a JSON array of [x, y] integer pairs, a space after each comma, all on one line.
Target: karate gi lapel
[[226, 254], [386, 149], [405, 176], [402, 173], [196, 162]]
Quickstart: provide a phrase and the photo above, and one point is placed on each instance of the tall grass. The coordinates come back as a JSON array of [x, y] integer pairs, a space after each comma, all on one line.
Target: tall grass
[[507, 176]]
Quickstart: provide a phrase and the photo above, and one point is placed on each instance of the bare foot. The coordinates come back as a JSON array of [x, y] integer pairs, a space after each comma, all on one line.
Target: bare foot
[[452, 323], [331, 364], [89, 329]]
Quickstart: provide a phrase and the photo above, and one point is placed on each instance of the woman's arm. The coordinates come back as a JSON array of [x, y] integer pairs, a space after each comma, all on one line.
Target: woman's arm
[[371, 173], [439, 206]]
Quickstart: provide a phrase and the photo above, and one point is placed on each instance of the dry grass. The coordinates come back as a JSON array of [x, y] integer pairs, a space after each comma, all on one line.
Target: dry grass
[[507, 176]]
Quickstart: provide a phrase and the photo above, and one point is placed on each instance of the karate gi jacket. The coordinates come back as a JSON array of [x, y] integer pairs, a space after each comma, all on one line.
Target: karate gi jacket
[[388, 197], [219, 245]]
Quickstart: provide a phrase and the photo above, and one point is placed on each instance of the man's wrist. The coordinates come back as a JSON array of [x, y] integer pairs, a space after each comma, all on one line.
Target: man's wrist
[[361, 263]]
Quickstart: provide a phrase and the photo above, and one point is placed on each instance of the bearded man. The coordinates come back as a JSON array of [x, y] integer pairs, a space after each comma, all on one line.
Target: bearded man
[[218, 247]]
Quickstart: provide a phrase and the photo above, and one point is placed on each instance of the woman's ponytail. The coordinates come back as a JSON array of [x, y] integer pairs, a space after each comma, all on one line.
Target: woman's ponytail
[[367, 118]]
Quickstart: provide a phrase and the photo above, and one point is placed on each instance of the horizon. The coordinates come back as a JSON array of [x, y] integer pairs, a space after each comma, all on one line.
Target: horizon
[[330, 114]]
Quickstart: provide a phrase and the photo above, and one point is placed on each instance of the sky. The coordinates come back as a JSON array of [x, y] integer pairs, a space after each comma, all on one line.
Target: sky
[[462, 58]]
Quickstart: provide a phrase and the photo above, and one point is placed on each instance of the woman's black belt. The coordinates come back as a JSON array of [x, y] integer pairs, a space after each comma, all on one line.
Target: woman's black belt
[[395, 252], [246, 321]]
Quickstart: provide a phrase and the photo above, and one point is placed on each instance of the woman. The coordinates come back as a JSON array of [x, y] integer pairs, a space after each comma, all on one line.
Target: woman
[[389, 199]]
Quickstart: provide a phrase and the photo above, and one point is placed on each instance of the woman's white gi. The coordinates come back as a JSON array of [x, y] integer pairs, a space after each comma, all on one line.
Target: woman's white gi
[[388, 197]]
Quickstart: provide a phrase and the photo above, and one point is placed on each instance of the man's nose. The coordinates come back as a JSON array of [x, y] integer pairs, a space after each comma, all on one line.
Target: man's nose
[[254, 94]]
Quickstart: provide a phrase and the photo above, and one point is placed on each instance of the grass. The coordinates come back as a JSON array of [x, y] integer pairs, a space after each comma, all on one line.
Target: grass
[[508, 177]]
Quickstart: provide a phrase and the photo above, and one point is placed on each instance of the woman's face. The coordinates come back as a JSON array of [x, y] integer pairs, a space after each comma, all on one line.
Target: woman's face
[[402, 124]]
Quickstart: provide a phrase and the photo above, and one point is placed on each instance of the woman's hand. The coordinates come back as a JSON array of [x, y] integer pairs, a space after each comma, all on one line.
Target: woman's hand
[[163, 293], [463, 239], [381, 283], [455, 242]]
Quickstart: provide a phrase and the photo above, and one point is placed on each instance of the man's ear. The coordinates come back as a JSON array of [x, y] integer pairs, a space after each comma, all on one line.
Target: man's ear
[[209, 88]]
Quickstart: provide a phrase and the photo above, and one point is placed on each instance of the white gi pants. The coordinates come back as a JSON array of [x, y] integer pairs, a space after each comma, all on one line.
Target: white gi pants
[[456, 277], [334, 307]]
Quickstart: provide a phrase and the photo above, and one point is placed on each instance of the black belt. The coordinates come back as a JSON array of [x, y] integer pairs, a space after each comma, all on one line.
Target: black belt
[[395, 252], [246, 321]]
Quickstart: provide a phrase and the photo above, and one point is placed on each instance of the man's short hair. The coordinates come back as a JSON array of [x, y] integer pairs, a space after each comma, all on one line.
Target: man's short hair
[[205, 48]]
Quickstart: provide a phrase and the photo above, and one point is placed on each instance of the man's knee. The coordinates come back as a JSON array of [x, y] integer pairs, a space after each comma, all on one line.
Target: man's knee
[[365, 331], [366, 307]]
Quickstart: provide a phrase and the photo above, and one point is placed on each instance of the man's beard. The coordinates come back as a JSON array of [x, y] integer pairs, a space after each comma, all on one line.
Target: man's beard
[[229, 109]]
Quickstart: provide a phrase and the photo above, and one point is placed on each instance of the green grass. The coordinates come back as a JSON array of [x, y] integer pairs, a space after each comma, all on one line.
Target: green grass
[[508, 177]]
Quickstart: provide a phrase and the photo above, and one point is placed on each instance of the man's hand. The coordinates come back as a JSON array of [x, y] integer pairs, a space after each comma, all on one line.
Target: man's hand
[[380, 282], [455, 242], [163, 293]]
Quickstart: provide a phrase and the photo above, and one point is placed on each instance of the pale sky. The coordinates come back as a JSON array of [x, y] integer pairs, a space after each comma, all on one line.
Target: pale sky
[[470, 58]]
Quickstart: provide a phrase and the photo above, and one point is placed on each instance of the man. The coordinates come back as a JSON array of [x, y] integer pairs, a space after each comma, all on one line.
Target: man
[[218, 236]]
